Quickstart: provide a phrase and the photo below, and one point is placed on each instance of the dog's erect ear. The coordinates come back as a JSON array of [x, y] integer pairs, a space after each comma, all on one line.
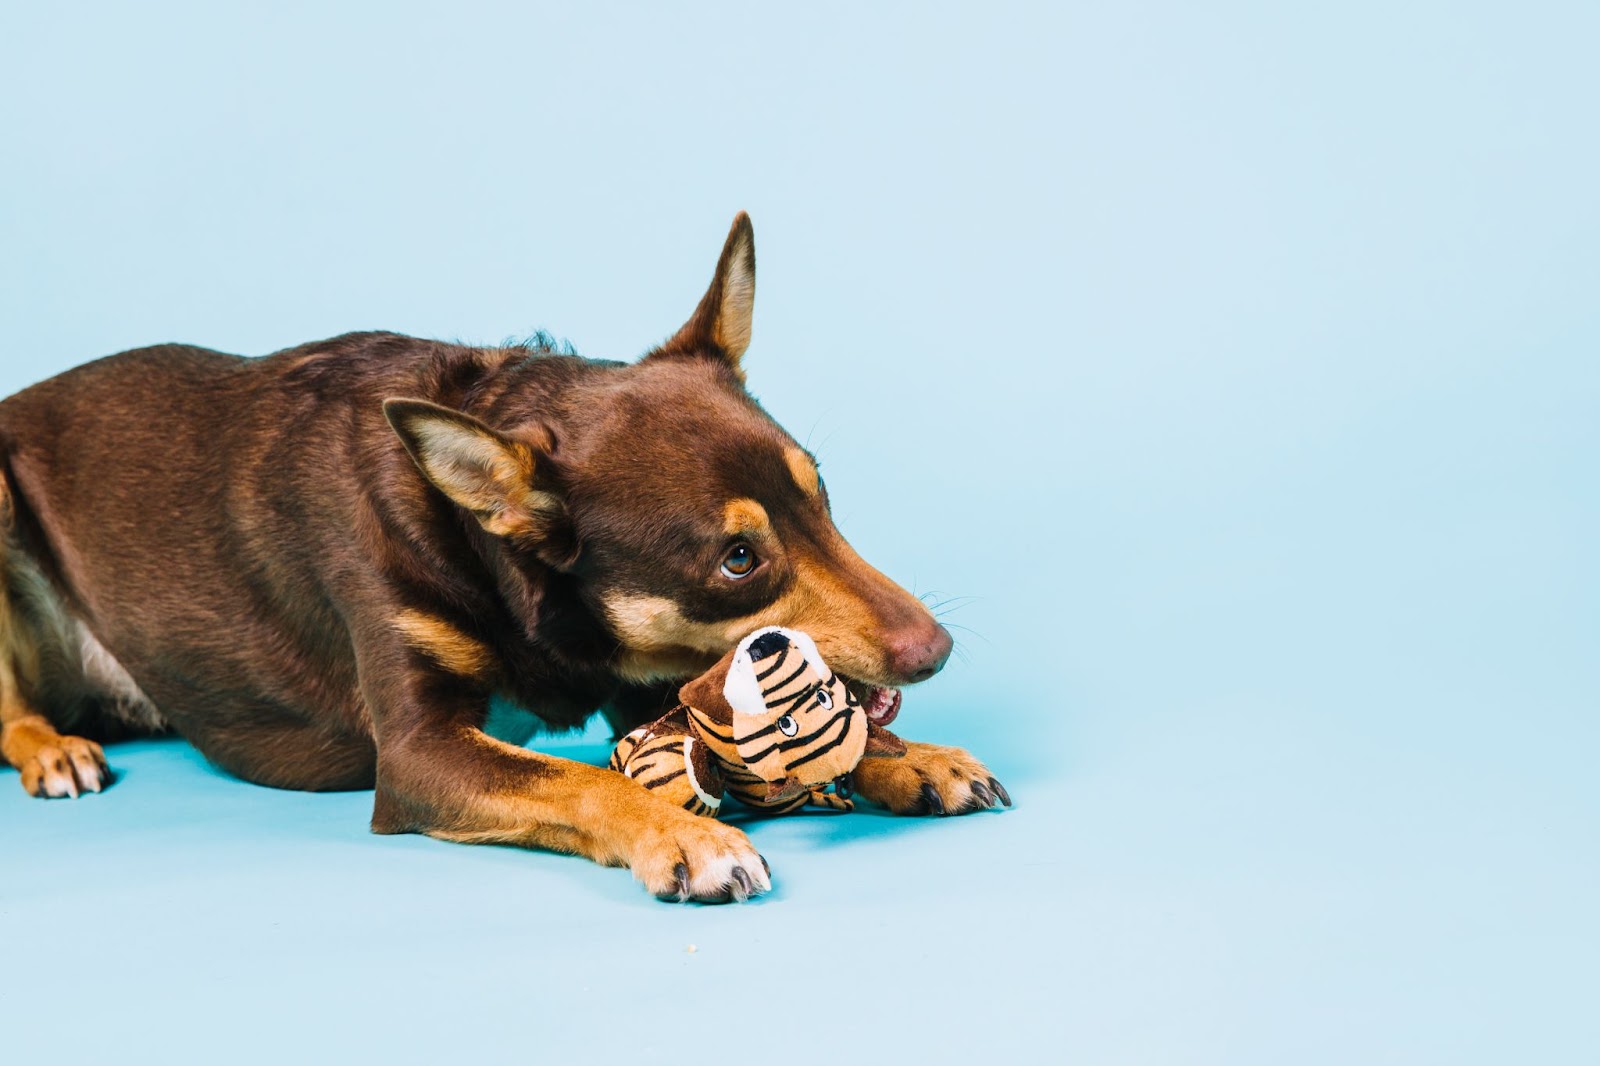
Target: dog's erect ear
[[721, 324], [494, 477]]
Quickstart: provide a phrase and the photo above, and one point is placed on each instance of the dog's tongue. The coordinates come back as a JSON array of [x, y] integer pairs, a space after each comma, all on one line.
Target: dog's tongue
[[881, 704]]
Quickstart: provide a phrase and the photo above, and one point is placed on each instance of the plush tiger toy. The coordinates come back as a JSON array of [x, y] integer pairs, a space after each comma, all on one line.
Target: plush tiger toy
[[770, 725]]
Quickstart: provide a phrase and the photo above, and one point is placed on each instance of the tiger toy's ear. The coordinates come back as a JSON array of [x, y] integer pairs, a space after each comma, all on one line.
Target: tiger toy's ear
[[882, 744], [732, 684], [704, 693]]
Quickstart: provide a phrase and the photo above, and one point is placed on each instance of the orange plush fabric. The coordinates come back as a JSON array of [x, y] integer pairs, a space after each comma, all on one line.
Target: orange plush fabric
[[770, 725]]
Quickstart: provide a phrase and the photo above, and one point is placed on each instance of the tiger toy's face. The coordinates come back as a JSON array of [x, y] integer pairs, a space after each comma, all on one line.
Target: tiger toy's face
[[793, 718]]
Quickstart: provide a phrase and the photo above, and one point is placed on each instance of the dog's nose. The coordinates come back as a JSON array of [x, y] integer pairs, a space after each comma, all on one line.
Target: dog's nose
[[919, 654]]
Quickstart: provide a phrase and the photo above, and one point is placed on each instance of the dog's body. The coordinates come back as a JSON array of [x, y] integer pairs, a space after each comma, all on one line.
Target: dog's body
[[323, 586]]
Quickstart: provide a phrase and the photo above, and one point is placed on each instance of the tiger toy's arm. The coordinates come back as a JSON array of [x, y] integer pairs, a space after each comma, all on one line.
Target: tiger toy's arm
[[830, 801], [666, 757]]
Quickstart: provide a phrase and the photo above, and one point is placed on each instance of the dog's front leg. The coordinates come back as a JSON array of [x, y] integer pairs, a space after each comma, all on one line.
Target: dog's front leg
[[929, 779], [439, 774]]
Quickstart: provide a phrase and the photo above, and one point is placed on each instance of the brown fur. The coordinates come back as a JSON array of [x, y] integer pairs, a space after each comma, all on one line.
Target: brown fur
[[319, 566]]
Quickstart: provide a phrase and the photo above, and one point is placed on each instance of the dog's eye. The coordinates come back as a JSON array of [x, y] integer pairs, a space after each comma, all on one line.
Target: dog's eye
[[739, 562], [824, 699], [788, 726]]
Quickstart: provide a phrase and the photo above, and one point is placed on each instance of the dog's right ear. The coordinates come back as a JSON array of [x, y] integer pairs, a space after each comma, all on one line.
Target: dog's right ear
[[721, 324], [494, 477]]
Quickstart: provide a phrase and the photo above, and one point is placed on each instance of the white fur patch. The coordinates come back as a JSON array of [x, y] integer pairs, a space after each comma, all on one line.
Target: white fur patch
[[711, 874], [688, 769], [110, 679]]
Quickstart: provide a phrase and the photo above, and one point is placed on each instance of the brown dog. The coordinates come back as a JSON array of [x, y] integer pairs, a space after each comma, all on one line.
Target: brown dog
[[320, 567]]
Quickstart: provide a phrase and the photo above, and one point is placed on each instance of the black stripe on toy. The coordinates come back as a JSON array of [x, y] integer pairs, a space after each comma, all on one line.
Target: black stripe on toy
[[823, 750], [796, 742], [663, 779], [786, 682], [762, 675]]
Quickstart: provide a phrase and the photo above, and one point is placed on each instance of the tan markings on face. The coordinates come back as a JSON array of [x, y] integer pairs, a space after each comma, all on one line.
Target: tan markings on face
[[444, 643], [745, 516], [803, 470], [826, 604], [659, 643]]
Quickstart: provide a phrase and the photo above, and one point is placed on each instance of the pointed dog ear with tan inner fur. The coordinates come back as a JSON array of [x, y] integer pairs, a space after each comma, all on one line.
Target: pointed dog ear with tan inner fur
[[495, 478], [721, 324]]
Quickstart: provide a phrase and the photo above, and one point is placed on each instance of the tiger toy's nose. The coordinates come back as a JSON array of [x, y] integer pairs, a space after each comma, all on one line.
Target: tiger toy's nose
[[916, 655]]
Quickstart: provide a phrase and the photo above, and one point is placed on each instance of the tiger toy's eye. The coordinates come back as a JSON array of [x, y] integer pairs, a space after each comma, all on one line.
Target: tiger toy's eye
[[788, 726], [824, 699], [739, 562]]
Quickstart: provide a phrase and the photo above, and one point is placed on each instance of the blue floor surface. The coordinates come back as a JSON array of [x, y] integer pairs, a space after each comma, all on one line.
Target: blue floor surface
[[1301, 899], [1232, 370]]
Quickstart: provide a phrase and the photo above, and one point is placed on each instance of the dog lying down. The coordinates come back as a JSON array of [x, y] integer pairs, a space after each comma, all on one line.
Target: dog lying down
[[321, 565]]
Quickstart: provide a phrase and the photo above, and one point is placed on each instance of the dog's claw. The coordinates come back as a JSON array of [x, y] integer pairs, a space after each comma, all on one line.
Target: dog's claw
[[931, 797], [680, 872], [1000, 790], [743, 887], [983, 797], [765, 867]]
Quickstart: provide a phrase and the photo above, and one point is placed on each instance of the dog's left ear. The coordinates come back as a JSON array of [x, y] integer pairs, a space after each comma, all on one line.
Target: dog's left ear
[[721, 324], [506, 484]]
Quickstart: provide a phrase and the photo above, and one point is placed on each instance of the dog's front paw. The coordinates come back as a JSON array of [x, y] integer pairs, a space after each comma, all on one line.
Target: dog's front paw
[[68, 766], [929, 779], [696, 858]]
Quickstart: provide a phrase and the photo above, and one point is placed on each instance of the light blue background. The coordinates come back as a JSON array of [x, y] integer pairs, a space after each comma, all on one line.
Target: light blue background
[[1239, 364]]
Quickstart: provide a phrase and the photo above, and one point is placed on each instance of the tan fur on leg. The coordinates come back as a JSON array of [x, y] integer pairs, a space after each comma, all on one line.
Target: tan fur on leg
[[929, 779], [472, 788], [52, 765]]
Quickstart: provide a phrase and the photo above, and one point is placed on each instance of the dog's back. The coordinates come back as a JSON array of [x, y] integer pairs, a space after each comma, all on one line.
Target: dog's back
[[185, 507]]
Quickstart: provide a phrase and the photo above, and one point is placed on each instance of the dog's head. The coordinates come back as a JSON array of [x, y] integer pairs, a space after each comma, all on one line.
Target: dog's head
[[687, 516]]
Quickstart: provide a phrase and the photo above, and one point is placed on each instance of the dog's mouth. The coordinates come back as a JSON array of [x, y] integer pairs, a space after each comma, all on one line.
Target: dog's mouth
[[880, 703]]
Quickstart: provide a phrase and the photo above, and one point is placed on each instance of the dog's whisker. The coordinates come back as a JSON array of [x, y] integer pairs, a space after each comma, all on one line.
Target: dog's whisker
[[958, 649], [968, 629], [942, 605]]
